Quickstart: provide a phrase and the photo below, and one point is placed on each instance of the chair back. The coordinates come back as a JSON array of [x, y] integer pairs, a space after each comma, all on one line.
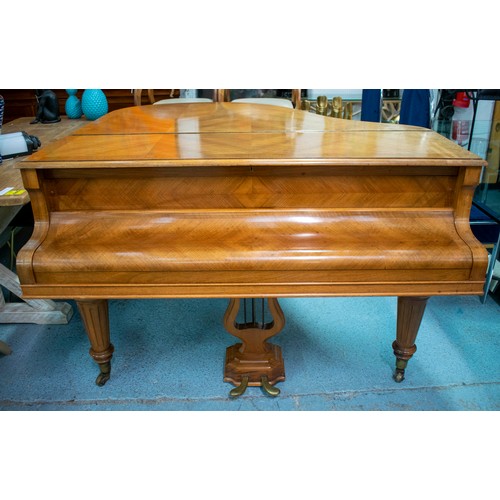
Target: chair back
[[232, 95], [224, 95], [171, 100]]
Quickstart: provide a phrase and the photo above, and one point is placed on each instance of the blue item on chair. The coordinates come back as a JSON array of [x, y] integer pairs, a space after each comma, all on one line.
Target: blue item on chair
[[416, 108], [371, 105]]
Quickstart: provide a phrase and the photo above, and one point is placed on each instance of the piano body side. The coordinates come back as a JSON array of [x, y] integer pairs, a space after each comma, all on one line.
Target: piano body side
[[218, 224]]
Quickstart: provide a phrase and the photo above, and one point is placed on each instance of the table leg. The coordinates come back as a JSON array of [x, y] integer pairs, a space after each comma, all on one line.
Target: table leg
[[95, 317], [254, 361], [38, 311], [410, 313]]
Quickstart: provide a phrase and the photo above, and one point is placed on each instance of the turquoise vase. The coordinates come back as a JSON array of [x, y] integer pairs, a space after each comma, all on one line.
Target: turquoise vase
[[73, 105], [94, 104]]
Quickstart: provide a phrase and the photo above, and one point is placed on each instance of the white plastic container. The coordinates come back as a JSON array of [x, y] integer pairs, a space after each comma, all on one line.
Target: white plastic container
[[462, 119]]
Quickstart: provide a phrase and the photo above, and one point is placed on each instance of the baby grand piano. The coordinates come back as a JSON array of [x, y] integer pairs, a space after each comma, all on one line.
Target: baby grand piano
[[249, 202]]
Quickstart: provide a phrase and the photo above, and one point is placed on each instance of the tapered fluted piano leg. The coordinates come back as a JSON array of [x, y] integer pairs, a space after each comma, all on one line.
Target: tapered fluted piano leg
[[410, 313], [96, 320]]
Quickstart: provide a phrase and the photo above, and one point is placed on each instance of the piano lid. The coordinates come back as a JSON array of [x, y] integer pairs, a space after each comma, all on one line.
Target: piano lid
[[243, 134]]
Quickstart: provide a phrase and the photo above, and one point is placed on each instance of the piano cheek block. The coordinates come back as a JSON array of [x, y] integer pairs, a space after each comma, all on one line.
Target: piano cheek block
[[251, 203]]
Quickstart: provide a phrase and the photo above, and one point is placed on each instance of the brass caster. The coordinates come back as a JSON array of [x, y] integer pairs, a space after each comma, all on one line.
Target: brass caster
[[105, 374], [5, 349], [102, 379], [269, 389], [238, 391], [399, 375]]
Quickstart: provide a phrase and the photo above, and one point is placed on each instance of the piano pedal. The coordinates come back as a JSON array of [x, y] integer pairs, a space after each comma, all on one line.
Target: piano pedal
[[240, 389], [269, 389]]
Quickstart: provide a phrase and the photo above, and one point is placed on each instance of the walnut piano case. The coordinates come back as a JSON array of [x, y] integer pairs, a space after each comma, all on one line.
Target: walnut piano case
[[237, 200]]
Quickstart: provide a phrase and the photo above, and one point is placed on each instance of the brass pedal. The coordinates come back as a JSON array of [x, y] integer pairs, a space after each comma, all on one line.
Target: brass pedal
[[269, 389], [238, 391]]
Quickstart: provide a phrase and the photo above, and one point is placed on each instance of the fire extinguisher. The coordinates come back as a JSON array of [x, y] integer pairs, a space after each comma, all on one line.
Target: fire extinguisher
[[462, 117]]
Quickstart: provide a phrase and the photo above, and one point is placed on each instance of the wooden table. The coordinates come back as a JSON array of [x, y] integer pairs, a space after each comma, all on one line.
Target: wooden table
[[247, 201], [12, 199]]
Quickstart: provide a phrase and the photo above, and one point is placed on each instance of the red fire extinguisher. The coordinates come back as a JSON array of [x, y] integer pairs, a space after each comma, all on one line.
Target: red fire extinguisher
[[461, 118]]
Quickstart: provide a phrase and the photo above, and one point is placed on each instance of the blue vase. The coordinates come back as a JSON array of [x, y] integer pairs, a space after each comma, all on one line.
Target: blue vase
[[94, 104], [73, 105]]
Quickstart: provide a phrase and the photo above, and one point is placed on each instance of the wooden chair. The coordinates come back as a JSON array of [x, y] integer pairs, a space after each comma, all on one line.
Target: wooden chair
[[171, 100], [224, 95], [138, 96]]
